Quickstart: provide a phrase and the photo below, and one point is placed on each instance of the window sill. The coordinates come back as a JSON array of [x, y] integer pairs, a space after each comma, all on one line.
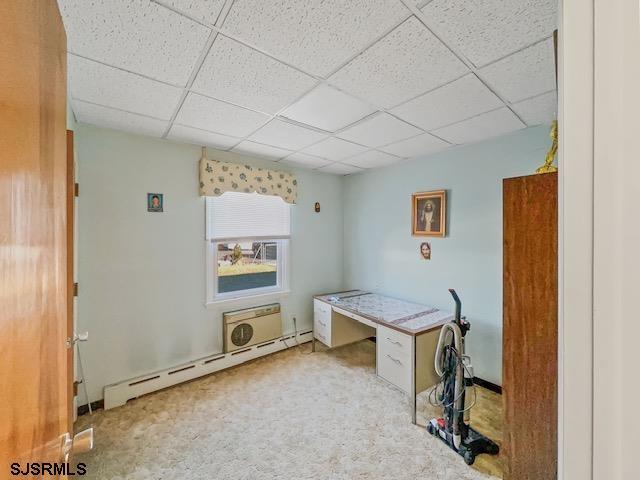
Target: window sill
[[247, 299]]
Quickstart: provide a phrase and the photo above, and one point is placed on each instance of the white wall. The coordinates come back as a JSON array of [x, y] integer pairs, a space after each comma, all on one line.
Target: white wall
[[142, 275], [381, 255]]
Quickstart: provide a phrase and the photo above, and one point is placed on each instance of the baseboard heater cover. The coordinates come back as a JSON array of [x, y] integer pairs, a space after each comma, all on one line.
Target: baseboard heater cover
[[117, 394]]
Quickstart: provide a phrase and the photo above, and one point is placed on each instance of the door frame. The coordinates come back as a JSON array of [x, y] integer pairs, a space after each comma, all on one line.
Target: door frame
[[71, 182], [575, 238]]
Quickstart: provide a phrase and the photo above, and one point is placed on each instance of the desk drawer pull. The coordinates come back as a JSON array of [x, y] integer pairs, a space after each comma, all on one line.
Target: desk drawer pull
[[395, 342], [322, 323], [394, 359]]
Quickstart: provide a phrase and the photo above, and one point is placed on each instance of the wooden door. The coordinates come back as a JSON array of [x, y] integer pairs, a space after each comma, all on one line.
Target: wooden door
[[530, 310], [34, 368]]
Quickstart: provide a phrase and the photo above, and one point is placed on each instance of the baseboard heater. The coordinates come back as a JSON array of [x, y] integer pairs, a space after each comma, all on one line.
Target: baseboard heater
[[117, 394]]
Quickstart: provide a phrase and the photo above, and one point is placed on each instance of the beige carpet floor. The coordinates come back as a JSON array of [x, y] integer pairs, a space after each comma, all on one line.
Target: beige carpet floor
[[285, 416]]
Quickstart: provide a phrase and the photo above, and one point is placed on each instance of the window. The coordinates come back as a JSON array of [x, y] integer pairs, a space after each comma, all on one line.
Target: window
[[247, 245]]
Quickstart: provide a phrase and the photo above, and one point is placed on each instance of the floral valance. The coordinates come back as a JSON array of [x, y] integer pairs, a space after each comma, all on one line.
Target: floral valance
[[218, 177]]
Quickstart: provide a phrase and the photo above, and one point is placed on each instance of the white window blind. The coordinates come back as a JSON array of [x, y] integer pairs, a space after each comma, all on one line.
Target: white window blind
[[247, 215]]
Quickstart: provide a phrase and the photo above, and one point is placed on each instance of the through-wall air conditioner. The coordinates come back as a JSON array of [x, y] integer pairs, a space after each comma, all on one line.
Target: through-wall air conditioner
[[243, 328]]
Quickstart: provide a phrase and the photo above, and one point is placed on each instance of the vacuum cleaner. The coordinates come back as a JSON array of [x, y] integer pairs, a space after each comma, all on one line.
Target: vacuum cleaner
[[454, 391]]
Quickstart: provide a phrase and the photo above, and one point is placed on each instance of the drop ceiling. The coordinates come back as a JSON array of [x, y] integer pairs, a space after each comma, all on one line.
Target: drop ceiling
[[340, 86]]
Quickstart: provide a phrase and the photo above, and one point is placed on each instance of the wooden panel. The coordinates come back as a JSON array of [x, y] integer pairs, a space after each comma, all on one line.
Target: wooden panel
[[530, 306], [34, 388]]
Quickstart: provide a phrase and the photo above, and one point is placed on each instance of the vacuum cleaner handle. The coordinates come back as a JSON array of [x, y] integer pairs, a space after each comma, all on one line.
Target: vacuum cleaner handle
[[456, 299]]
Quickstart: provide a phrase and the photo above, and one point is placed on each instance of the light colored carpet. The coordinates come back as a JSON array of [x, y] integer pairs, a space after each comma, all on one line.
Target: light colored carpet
[[285, 416]]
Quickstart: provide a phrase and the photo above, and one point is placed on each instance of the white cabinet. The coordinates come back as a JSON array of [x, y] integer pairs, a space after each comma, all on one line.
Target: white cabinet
[[395, 357]]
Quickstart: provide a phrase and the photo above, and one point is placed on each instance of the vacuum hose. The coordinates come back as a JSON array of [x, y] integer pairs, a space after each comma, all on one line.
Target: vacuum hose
[[452, 330]]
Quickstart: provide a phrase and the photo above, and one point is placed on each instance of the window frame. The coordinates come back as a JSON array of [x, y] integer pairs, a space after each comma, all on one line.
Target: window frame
[[283, 265]]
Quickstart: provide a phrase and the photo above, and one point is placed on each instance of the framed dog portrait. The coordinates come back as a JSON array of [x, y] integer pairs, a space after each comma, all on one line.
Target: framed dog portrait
[[429, 212]]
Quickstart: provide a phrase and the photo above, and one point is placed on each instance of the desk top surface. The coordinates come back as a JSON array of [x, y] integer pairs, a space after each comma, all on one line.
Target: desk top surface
[[407, 317]]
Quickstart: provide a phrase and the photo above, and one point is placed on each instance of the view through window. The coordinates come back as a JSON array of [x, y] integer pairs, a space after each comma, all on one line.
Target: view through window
[[247, 265]]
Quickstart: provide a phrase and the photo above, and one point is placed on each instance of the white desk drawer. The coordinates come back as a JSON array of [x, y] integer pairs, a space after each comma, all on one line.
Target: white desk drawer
[[395, 370], [394, 343], [321, 324], [322, 337], [321, 306]]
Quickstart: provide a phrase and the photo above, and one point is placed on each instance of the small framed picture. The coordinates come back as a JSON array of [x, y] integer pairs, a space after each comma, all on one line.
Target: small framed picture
[[429, 212], [154, 202], [425, 250]]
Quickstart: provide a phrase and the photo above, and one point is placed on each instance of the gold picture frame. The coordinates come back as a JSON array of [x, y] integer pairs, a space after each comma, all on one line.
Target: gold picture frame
[[429, 213]]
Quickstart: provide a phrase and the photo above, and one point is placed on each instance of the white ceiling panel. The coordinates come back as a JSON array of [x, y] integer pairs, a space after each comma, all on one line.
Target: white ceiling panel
[[328, 109], [413, 147], [335, 149], [201, 137], [259, 150], [241, 75], [452, 103], [136, 35], [205, 11], [117, 119], [97, 83], [305, 160], [340, 169], [539, 110], [286, 135], [407, 62], [372, 159], [483, 126], [524, 74], [484, 31], [379, 130], [220, 117], [315, 36]]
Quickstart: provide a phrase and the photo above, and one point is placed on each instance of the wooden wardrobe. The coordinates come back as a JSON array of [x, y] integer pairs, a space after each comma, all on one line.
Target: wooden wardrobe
[[530, 326]]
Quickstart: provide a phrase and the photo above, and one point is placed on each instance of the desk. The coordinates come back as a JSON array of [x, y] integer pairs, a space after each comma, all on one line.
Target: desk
[[406, 335]]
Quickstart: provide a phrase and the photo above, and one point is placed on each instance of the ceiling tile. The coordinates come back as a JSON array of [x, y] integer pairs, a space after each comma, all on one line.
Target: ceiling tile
[[340, 169], [97, 83], [407, 62], [137, 35], [205, 11], [413, 147], [220, 117], [117, 119], [201, 137], [524, 74], [241, 75], [483, 126], [487, 30], [335, 149], [258, 150], [379, 130], [315, 36], [372, 159], [452, 103], [542, 109], [328, 109], [286, 135], [302, 159]]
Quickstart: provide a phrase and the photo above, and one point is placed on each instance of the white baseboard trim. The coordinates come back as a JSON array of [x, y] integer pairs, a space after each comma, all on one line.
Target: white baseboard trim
[[117, 394]]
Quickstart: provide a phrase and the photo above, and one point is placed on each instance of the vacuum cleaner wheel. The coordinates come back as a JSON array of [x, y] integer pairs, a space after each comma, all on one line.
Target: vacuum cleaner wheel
[[469, 457]]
